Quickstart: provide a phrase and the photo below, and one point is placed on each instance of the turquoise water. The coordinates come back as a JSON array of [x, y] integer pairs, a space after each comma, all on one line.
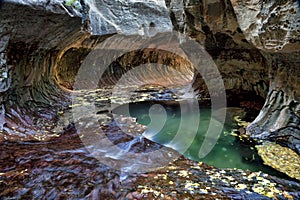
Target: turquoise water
[[163, 125]]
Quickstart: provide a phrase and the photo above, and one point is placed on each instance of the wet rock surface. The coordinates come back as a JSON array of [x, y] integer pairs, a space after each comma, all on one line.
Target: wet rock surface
[[63, 168]]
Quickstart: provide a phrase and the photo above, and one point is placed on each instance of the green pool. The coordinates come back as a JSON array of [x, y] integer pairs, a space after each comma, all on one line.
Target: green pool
[[164, 122]]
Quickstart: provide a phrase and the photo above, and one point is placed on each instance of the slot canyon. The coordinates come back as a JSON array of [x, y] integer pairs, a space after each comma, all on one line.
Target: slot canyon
[[153, 99]]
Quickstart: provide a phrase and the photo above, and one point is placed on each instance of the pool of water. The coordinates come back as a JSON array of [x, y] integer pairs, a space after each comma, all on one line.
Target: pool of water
[[164, 122]]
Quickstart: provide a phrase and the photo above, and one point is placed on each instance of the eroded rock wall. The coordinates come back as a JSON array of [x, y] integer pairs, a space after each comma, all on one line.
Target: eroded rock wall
[[270, 25], [32, 37], [274, 28], [214, 25]]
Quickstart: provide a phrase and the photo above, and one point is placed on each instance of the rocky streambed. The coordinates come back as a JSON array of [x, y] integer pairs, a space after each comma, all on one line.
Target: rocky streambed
[[64, 168]]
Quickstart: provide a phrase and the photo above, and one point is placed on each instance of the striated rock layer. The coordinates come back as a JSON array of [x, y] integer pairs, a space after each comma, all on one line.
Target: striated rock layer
[[33, 41]]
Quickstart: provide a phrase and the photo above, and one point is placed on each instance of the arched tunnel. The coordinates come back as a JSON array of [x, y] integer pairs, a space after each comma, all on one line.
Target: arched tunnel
[[43, 82], [136, 63], [43, 67]]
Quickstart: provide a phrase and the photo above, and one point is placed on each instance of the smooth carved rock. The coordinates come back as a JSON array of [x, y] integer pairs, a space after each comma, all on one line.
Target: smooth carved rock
[[33, 33], [279, 119]]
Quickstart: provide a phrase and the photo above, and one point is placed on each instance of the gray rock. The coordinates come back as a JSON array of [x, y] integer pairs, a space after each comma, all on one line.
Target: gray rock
[[270, 25], [53, 6], [128, 17]]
